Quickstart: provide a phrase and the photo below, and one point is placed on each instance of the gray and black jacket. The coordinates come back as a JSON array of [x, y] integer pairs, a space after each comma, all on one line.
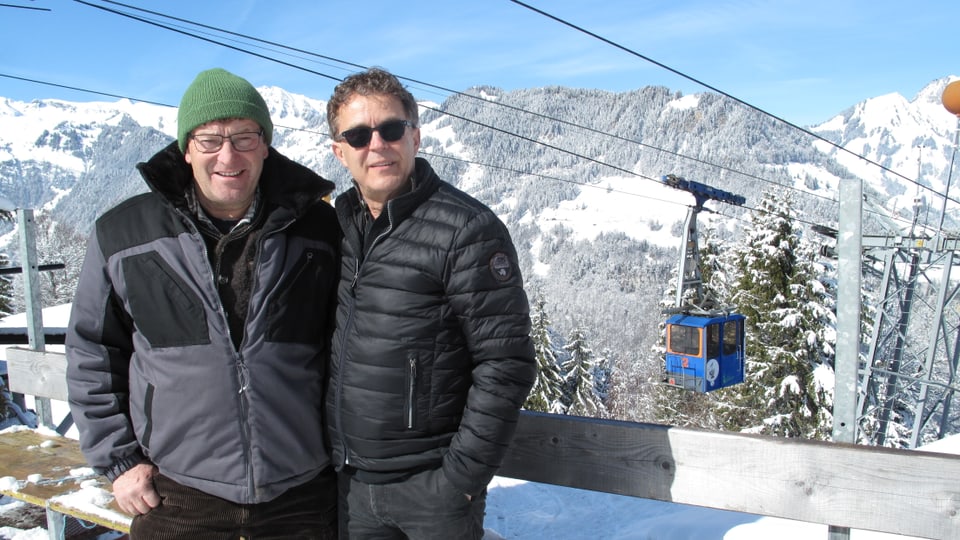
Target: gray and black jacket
[[204, 352], [432, 357]]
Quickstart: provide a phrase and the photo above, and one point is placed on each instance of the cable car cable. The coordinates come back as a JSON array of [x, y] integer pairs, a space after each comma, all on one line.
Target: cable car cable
[[726, 94], [449, 91]]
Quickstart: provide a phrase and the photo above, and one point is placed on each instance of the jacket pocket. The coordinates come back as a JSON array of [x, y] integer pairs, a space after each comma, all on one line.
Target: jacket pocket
[[299, 311], [148, 419], [164, 308]]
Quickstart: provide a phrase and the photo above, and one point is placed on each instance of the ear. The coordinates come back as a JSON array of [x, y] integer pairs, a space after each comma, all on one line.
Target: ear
[[187, 155], [338, 151], [416, 140]]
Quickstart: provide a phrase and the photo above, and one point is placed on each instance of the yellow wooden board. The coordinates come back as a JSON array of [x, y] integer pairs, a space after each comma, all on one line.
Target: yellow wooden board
[[24, 454]]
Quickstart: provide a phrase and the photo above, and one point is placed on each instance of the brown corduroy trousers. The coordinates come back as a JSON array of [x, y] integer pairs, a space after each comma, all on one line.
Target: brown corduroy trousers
[[306, 512]]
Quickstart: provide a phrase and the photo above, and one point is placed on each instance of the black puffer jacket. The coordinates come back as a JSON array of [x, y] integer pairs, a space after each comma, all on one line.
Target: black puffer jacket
[[432, 357]]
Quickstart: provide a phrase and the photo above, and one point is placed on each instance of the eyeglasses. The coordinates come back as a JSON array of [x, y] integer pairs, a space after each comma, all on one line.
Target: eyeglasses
[[390, 131], [245, 141]]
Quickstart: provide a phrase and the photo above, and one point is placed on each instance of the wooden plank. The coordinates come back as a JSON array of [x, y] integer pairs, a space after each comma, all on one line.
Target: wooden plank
[[57, 460], [897, 491], [26, 452], [18, 336], [118, 522], [35, 373]]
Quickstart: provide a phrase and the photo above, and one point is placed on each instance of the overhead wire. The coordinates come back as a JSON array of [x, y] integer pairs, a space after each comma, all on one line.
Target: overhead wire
[[358, 66], [438, 87], [452, 92], [447, 157], [78, 89], [295, 66], [727, 95], [33, 8], [208, 40]]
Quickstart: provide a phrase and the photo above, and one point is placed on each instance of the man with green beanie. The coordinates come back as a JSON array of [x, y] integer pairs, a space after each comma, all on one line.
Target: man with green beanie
[[198, 335]]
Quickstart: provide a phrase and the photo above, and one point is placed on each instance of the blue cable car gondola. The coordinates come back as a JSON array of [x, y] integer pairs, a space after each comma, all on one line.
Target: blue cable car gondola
[[704, 353], [705, 347]]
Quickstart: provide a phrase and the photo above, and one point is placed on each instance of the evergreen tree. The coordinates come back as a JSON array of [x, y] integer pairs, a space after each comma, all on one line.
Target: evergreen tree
[[6, 289], [545, 396], [579, 369], [790, 325], [56, 243], [602, 375]]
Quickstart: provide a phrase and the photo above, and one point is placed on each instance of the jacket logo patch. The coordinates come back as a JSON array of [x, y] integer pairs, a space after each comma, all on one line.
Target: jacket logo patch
[[500, 266]]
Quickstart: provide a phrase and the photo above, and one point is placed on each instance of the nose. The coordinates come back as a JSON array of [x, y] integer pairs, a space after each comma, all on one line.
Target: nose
[[227, 144], [376, 141]]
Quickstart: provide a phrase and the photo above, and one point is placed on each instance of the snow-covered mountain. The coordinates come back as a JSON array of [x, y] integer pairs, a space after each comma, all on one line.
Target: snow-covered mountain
[[914, 138], [48, 147], [574, 173]]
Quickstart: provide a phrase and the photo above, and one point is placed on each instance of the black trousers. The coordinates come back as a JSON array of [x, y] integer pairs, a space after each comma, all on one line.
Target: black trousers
[[306, 512], [425, 506]]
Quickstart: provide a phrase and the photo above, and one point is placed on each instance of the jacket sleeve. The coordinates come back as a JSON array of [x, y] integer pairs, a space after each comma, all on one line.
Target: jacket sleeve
[[486, 292], [99, 347]]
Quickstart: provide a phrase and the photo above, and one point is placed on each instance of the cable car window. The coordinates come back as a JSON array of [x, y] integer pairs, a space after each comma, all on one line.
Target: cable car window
[[731, 332], [713, 341], [684, 340]]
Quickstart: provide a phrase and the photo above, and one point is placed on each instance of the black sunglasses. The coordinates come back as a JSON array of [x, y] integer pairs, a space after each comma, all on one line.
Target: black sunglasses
[[390, 131]]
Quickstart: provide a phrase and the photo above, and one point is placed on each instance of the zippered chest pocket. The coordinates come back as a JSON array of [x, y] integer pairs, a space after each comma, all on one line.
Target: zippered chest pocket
[[165, 309], [410, 408], [300, 310]]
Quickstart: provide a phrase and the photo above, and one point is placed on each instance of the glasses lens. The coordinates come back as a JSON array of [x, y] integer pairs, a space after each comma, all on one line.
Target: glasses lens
[[208, 143], [358, 137], [244, 142], [241, 142], [390, 131], [393, 130]]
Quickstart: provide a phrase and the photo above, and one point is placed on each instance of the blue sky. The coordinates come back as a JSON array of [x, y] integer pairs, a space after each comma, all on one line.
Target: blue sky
[[801, 60]]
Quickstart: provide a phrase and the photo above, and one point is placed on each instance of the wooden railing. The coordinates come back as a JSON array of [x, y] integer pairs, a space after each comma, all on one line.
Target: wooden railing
[[907, 492]]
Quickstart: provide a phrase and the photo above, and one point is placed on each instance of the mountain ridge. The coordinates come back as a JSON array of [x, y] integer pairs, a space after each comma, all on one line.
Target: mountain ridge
[[576, 180]]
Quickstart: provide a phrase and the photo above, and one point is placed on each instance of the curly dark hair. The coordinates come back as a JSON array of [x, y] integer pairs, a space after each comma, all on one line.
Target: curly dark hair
[[372, 82]]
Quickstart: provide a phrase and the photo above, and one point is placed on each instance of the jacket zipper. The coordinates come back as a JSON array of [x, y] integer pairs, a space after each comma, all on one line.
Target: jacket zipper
[[243, 376], [338, 416], [411, 389], [243, 373]]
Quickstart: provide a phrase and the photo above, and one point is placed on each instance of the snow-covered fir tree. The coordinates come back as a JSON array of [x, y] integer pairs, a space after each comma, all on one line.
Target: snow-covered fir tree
[[790, 328], [56, 243], [547, 391], [602, 375], [6, 287], [579, 369]]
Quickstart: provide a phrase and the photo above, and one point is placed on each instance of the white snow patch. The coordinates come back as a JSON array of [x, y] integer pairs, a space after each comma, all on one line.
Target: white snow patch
[[691, 101]]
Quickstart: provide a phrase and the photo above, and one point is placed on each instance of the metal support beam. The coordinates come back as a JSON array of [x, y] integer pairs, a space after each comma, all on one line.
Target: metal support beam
[[31, 288], [849, 246]]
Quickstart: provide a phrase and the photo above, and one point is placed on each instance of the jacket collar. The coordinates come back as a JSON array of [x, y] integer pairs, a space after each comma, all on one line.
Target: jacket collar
[[424, 183], [283, 182]]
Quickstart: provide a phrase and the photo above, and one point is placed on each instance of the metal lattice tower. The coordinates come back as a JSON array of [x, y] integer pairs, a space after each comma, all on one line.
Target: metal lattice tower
[[908, 380], [909, 375]]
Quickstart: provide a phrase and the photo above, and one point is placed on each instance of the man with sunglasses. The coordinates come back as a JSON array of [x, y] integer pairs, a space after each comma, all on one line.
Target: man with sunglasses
[[432, 358], [197, 343]]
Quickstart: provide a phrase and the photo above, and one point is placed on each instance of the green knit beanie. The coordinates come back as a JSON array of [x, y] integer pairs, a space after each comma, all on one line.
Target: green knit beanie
[[217, 94]]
